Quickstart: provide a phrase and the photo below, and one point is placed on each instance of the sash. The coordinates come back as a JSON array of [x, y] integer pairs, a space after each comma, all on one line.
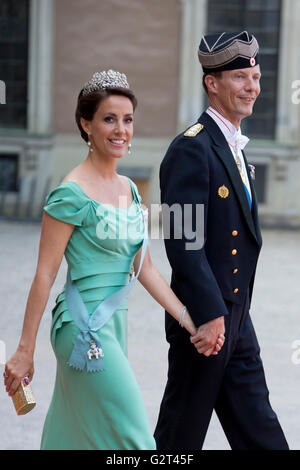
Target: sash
[[87, 351]]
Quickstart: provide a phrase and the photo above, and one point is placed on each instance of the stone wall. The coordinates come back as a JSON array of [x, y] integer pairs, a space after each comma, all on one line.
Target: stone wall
[[140, 38]]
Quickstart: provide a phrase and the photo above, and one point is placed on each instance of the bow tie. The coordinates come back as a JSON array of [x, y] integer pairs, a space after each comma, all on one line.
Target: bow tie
[[238, 141]]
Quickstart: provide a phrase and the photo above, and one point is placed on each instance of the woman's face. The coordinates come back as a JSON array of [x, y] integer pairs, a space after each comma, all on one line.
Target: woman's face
[[111, 128]]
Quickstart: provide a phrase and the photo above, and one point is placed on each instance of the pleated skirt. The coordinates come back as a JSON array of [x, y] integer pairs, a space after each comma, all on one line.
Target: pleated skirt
[[95, 410]]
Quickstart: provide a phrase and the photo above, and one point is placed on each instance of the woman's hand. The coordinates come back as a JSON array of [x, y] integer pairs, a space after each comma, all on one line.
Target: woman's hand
[[55, 235], [212, 351], [209, 338], [219, 344], [18, 366]]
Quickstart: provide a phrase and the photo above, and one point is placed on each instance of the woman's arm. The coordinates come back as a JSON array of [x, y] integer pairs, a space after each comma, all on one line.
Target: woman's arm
[[54, 238], [159, 289]]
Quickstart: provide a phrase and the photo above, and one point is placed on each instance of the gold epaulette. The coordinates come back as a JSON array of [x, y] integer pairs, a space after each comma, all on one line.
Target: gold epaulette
[[194, 130]]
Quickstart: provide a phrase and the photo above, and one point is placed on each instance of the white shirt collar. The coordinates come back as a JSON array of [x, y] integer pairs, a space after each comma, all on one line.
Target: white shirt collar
[[233, 136]]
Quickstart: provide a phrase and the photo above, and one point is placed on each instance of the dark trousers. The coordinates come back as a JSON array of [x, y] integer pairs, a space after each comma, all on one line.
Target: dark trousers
[[233, 383]]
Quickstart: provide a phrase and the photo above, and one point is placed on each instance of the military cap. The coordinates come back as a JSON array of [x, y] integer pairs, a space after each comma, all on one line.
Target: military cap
[[228, 51]]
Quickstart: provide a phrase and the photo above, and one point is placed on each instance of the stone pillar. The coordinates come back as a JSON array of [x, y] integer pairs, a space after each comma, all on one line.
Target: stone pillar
[[284, 203], [35, 147], [40, 66], [191, 96], [288, 113]]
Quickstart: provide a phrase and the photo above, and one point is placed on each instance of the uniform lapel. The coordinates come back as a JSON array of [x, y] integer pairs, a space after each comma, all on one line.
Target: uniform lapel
[[254, 203], [225, 155]]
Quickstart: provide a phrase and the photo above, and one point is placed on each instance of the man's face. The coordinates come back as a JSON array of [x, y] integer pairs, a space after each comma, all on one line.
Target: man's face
[[235, 92]]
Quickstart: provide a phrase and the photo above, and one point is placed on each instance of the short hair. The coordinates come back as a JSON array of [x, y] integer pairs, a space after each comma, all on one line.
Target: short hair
[[87, 105], [214, 74]]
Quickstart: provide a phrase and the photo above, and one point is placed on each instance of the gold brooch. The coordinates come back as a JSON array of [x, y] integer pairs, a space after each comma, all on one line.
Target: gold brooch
[[223, 192], [194, 130]]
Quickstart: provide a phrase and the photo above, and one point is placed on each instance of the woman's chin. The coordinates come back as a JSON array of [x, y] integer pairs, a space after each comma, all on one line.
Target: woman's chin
[[118, 155]]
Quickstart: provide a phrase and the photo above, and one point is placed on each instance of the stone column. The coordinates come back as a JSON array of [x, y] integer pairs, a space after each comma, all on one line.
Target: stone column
[[288, 113], [40, 66], [191, 96], [36, 153], [284, 203]]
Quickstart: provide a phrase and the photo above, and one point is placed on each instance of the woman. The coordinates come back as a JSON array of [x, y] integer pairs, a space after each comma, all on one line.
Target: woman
[[84, 217]]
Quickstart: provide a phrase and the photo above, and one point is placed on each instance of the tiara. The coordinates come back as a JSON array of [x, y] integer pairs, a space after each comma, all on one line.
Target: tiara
[[102, 80]]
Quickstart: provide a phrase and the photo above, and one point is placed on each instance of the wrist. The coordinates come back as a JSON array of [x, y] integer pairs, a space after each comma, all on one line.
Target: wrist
[[185, 321], [182, 315], [26, 349]]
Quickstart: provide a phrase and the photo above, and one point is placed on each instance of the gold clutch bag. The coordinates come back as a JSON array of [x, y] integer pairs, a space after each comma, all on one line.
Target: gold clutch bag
[[23, 398]]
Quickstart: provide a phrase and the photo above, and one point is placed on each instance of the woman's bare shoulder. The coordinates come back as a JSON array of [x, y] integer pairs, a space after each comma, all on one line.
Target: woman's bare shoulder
[[73, 175], [124, 180]]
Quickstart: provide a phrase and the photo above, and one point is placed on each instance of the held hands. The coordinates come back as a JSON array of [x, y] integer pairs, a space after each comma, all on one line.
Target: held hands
[[19, 366], [209, 337]]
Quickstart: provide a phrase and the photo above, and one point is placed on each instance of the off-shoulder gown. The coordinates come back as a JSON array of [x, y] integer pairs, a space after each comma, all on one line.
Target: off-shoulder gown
[[96, 410]]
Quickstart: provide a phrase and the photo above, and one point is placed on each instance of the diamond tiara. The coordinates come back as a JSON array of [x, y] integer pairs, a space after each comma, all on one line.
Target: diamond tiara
[[102, 80]]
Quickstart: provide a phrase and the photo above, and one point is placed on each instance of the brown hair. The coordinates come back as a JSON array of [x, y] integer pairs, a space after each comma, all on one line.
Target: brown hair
[[88, 105], [214, 74]]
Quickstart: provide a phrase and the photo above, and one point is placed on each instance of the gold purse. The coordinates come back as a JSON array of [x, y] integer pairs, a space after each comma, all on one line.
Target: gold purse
[[23, 398]]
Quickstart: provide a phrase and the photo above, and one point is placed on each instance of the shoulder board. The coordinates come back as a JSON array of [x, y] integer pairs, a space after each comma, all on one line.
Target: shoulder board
[[194, 130]]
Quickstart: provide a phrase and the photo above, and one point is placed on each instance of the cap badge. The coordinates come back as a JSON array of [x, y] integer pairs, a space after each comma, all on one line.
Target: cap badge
[[252, 61], [194, 130], [223, 192]]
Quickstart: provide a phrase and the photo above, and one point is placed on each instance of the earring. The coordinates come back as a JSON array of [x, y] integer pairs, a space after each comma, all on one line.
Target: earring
[[89, 143], [129, 149]]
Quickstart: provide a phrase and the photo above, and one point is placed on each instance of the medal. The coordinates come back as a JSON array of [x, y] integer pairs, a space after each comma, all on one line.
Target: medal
[[94, 351], [223, 192]]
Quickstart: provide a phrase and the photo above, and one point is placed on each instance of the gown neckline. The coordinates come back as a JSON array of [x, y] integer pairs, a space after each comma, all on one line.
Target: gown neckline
[[103, 203]]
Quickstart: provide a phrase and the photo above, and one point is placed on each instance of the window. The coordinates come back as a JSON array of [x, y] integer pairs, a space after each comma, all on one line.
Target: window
[[261, 18], [8, 172], [13, 62]]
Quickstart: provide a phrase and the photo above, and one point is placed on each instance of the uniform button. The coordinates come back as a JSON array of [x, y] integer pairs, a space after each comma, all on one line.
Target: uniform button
[[235, 291], [235, 271], [234, 252], [235, 233]]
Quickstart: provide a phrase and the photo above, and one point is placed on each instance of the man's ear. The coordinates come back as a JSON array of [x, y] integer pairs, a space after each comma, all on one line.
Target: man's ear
[[211, 84], [86, 125]]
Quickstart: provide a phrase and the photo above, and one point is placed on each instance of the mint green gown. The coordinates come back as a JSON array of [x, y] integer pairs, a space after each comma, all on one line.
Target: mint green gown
[[96, 410]]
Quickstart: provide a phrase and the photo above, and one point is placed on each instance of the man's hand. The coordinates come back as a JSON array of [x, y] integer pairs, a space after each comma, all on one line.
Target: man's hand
[[210, 338]]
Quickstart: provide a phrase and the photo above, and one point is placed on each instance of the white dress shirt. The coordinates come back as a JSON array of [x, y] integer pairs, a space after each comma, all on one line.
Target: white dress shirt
[[235, 140]]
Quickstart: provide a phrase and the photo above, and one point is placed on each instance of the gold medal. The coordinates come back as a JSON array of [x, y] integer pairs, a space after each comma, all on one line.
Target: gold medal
[[223, 192]]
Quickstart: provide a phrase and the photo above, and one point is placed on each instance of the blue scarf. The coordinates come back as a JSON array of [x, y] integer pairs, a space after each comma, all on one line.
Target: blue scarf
[[89, 325]]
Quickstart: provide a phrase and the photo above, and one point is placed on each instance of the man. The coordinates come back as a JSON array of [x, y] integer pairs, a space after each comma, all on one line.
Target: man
[[206, 165]]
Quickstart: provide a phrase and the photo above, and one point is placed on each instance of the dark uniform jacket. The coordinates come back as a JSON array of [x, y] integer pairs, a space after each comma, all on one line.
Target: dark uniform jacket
[[200, 169]]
